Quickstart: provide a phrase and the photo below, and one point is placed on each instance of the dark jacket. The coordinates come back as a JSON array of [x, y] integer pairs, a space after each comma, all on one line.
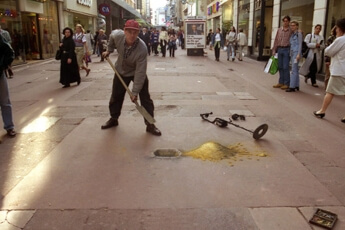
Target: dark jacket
[[145, 38]]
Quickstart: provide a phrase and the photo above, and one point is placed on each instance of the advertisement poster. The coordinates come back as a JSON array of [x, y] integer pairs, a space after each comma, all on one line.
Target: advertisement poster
[[195, 36]]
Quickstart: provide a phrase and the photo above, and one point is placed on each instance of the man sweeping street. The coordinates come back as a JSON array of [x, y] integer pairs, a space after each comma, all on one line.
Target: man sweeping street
[[131, 65]]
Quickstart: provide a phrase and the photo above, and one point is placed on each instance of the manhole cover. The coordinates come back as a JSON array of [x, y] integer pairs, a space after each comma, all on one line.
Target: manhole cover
[[168, 153]]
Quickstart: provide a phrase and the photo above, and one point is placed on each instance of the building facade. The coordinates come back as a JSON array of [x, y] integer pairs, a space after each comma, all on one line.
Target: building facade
[[35, 26], [260, 19]]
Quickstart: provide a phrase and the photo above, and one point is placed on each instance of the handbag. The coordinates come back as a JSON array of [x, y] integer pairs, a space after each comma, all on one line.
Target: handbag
[[58, 54]]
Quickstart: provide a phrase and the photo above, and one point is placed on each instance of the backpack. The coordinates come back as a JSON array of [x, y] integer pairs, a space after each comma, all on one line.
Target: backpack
[[305, 49], [6, 54]]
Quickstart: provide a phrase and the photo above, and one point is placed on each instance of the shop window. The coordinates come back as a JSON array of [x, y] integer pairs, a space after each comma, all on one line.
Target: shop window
[[300, 11], [335, 12], [243, 15]]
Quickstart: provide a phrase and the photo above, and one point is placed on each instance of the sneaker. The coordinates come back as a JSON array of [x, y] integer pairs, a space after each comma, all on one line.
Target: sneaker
[[11, 133], [278, 86]]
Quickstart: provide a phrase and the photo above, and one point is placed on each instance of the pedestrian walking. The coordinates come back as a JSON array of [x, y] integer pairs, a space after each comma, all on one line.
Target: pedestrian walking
[[217, 43], [312, 64], [132, 66], [6, 58], [241, 43], [95, 45], [145, 36], [7, 37], [329, 41], [209, 38], [172, 45], [295, 54], [336, 84], [80, 47], [155, 41], [282, 47], [181, 39], [231, 39], [89, 41], [102, 42], [69, 69], [163, 40]]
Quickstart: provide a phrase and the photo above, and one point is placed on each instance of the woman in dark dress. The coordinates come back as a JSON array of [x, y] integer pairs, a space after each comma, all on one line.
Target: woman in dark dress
[[69, 70]]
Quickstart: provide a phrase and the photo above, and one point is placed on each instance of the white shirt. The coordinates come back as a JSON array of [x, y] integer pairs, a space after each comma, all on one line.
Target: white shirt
[[217, 37], [337, 53]]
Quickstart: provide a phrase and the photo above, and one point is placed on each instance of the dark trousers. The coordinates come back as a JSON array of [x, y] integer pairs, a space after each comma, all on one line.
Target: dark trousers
[[217, 51], [163, 47], [172, 51], [118, 96], [313, 70], [148, 49], [154, 48]]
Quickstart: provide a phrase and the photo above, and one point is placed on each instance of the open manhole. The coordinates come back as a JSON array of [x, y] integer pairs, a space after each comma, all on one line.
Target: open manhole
[[168, 153]]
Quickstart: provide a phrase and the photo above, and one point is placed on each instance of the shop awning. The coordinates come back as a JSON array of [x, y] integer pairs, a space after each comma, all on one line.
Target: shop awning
[[223, 1], [127, 7]]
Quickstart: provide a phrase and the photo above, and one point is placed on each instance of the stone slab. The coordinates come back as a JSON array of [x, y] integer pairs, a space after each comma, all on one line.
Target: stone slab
[[190, 84], [279, 218], [115, 168]]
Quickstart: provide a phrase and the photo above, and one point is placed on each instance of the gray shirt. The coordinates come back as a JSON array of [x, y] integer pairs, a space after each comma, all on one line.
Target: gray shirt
[[134, 65], [6, 35]]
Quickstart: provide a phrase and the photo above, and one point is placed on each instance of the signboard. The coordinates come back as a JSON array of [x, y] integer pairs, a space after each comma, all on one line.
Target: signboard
[[195, 34], [104, 9]]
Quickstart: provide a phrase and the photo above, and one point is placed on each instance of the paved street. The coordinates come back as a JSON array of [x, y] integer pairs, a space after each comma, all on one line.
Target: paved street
[[62, 171]]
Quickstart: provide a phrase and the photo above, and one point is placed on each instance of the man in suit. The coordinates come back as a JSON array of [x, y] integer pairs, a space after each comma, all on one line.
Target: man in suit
[[193, 30], [145, 36]]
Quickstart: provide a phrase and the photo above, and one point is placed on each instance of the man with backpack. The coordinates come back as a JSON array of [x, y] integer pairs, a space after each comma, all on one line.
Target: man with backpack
[[6, 58]]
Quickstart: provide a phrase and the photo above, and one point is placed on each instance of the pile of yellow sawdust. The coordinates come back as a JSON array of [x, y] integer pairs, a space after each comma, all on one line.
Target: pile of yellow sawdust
[[213, 151]]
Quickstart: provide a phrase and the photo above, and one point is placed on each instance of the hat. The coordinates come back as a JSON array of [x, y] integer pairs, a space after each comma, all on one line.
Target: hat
[[132, 24]]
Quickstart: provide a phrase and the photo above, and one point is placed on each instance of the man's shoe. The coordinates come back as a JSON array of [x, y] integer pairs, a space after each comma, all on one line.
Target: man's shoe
[[110, 123], [284, 87], [151, 128], [315, 85], [278, 86], [11, 133]]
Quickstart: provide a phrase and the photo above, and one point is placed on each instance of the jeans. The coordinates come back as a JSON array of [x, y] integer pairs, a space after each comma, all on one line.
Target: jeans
[[118, 96], [5, 103], [231, 48], [283, 65], [294, 78]]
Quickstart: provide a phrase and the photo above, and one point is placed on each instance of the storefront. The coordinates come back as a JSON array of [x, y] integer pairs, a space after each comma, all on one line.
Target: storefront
[[81, 12], [262, 29], [214, 16], [300, 11], [336, 9], [227, 15], [33, 27]]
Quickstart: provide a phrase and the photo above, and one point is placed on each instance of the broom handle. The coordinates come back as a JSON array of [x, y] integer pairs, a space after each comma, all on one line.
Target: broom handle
[[120, 78]]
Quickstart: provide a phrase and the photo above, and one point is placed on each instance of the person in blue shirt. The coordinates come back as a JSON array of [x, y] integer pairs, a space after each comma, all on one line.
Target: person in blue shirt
[[295, 54]]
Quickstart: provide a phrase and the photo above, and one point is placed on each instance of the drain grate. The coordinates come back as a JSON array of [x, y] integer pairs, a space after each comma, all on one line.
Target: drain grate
[[167, 153]]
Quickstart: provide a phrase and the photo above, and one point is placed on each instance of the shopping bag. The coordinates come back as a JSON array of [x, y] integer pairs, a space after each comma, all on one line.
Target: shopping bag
[[268, 65], [274, 65]]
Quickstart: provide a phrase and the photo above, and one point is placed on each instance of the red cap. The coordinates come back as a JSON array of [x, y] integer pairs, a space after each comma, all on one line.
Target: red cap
[[132, 24]]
